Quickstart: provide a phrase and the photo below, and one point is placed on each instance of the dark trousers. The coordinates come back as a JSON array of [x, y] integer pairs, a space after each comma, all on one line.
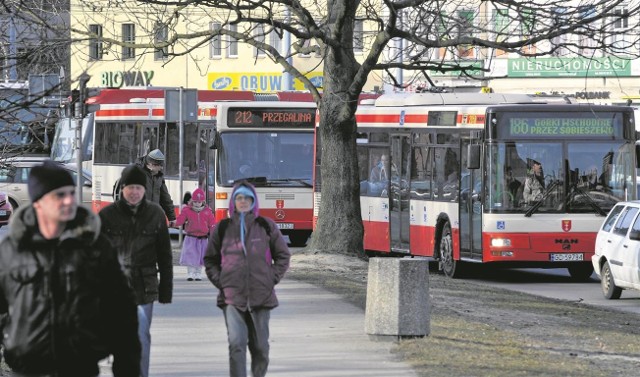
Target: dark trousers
[[250, 328]]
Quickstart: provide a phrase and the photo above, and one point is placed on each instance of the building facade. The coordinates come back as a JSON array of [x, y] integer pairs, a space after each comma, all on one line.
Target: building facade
[[224, 63]]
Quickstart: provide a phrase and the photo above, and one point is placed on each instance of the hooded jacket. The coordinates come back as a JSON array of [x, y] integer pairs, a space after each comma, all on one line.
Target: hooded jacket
[[65, 303], [144, 248], [246, 281], [156, 191]]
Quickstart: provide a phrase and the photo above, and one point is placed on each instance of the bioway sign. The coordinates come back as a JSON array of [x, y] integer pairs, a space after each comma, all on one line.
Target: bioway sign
[[118, 79]]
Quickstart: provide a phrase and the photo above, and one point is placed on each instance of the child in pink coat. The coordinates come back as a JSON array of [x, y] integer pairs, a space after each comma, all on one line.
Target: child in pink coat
[[199, 219]]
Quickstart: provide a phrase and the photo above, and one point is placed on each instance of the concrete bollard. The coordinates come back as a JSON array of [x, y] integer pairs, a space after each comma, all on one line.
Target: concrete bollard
[[398, 297]]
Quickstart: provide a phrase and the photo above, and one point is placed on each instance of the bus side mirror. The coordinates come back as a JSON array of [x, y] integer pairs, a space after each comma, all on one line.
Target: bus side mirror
[[637, 155], [473, 156]]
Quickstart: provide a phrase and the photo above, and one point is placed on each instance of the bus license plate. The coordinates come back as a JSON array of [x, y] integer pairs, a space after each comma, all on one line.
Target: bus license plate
[[567, 257], [285, 225], [3, 213]]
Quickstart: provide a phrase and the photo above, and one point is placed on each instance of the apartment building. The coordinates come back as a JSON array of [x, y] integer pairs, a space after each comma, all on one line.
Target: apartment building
[[224, 63]]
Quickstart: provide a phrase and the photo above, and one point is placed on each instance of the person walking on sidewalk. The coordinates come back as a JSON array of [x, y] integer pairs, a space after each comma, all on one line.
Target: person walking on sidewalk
[[64, 301], [199, 220], [246, 257], [155, 186], [138, 230]]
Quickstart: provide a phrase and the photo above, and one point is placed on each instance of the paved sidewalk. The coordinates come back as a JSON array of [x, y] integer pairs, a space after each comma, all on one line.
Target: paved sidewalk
[[313, 333]]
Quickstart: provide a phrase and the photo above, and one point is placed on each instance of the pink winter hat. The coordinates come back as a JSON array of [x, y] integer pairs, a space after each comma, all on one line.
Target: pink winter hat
[[198, 195]]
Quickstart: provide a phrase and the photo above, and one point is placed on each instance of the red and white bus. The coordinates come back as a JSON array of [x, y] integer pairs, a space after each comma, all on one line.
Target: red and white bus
[[459, 182], [271, 145], [259, 131]]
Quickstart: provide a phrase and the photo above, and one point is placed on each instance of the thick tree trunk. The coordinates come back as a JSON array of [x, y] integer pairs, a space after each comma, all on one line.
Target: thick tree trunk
[[339, 228]]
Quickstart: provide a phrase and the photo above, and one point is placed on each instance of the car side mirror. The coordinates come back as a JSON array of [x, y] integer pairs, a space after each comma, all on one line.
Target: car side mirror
[[634, 235]]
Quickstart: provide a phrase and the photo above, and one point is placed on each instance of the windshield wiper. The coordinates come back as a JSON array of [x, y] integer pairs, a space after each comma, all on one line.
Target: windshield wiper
[[571, 195], [290, 180], [537, 204]]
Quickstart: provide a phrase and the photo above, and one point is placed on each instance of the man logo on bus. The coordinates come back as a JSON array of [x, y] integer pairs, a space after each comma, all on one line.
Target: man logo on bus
[[566, 225]]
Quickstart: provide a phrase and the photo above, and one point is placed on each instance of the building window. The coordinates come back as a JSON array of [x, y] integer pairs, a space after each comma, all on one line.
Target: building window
[[95, 44], [258, 36], [464, 29], [621, 40], [275, 41], [215, 47], [559, 43], [161, 35], [232, 50], [358, 36], [128, 36]]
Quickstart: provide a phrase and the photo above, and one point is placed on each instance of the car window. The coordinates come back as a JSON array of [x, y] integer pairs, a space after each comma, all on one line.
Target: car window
[[7, 175], [635, 229], [22, 175], [627, 216], [611, 219]]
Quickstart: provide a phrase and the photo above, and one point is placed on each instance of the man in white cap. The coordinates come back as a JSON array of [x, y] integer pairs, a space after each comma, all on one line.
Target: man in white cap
[[156, 189]]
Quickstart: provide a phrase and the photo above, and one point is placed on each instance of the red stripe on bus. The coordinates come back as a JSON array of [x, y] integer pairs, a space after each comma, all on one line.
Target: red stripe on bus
[[538, 246], [301, 218], [129, 112]]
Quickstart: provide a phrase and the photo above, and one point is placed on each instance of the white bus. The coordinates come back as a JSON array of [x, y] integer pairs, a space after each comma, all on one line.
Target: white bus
[[455, 186], [240, 126], [271, 145]]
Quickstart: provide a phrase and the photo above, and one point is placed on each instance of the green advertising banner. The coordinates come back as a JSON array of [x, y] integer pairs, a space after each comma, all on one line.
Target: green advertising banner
[[569, 67]]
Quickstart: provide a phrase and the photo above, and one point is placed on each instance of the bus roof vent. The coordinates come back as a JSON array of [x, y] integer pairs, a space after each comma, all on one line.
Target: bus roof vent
[[266, 96]]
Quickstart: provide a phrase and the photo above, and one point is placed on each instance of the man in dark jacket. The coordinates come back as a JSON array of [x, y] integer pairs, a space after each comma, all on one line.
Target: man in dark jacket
[[138, 230], [64, 300], [155, 188], [255, 258]]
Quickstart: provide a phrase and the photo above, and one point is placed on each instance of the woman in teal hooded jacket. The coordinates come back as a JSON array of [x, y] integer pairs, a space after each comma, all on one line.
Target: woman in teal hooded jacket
[[246, 257]]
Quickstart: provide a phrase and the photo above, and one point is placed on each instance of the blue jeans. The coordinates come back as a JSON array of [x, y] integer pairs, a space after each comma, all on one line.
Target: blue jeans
[[250, 328], [145, 314]]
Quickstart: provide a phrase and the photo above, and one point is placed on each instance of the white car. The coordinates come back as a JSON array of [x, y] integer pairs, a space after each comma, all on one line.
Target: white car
[[616, 260], [14, 174]]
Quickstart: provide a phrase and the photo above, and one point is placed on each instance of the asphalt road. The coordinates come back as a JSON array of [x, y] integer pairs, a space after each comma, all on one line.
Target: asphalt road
[[556, 283]]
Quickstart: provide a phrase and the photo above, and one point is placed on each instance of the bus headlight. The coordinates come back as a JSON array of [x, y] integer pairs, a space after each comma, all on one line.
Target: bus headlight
[[500, 242]]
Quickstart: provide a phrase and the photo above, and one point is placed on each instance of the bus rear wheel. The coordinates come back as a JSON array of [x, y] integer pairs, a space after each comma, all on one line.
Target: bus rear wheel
[[581, 271], [450, 267]]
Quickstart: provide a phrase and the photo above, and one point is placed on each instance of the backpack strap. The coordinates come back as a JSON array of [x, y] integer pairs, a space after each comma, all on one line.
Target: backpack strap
[[265, 224], [222, 227]]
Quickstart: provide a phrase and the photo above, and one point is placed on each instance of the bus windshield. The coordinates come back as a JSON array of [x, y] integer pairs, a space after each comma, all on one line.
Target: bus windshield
[[558, 177], [271, 158]]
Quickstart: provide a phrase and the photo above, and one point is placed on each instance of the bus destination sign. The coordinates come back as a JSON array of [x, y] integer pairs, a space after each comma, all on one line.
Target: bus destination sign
[[561, 126], [263, 117]]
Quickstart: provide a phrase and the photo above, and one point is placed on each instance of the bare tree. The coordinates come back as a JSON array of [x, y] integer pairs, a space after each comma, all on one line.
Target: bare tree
[[34, 46], [402, 36]]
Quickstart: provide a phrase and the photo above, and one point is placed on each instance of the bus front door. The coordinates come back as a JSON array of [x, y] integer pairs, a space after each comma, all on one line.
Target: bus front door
[[399, 194], [470, 209]]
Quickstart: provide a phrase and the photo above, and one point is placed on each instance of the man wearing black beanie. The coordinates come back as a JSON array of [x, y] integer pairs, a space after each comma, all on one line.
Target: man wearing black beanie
[[64, 301], [138, 229]]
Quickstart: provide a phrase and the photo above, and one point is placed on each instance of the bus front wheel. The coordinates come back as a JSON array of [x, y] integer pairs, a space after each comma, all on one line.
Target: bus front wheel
[[450, 267], [299, 238], [581, 271]]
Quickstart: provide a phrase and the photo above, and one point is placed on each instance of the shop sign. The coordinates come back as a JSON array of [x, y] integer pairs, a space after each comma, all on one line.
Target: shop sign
[[569, 67], [118, 79], [267, 82]]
